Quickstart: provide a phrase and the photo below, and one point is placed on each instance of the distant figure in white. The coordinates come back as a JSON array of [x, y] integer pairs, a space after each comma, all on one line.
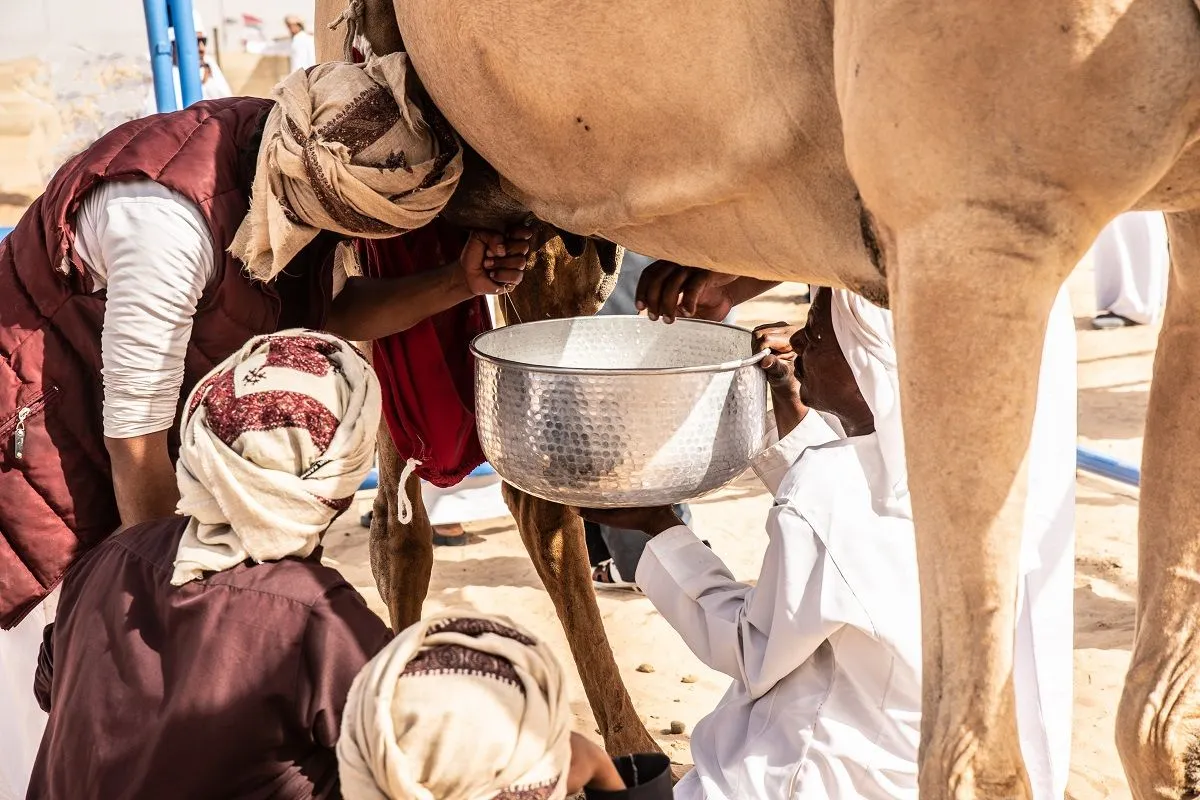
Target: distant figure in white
[[303, 50], [213, 85], [1130, 261]]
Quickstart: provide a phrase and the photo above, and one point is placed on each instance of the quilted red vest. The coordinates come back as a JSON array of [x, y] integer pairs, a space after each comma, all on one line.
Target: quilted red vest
[[56, 495]]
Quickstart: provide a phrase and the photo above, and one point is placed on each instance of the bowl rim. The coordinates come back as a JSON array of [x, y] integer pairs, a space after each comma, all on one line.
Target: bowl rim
[[727, 366]]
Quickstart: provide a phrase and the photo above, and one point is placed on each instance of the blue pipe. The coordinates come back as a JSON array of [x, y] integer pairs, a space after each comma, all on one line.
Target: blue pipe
[[160, 54], [186, 51], [372, 479], [1111, 468]]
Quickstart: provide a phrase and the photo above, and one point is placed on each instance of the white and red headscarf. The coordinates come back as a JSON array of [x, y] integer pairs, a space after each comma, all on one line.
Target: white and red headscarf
[[274, 443]]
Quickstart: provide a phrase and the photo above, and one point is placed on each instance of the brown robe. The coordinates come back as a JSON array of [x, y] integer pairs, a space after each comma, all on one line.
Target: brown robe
[[227, 687]]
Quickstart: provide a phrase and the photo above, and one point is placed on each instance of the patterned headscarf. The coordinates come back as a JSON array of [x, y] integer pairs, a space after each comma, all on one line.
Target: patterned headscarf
[[274, 443], [457, 708], [347, 149]]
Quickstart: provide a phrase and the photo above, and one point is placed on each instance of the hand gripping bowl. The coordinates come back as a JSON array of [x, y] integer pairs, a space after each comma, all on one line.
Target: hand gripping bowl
[[612, 412]]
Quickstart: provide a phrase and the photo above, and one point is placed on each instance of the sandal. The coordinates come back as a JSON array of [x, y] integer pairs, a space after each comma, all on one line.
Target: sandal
[[606, 578], [454, 536]]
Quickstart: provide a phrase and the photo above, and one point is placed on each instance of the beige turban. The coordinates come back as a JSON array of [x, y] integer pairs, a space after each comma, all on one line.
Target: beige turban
[[274, 443], [457, 707], [346, 149]]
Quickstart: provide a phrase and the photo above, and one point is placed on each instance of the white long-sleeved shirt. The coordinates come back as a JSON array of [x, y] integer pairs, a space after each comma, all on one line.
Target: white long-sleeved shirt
[[824, 651], [214, 88], [151, 250]]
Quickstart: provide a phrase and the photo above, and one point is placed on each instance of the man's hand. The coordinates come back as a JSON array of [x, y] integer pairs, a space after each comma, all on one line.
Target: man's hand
[[669, 290], [592, 768], [652, 521], [779, 365], [492, 263], [780, 368]]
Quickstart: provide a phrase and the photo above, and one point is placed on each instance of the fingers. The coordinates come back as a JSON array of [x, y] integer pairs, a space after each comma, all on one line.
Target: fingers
[[506, 277], [506, 262], [775, 337], [653, 287], [780, 371], [669, 296], [693, 289]]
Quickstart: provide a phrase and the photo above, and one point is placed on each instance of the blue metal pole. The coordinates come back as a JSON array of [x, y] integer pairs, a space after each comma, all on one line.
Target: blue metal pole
[[185, 49], [1111, 468], [160, 54]]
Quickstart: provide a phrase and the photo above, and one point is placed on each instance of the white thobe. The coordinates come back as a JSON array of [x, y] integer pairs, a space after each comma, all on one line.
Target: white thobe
[[215, 88], [1043, 669], [824, 651], [1130, 261], [22, 721]]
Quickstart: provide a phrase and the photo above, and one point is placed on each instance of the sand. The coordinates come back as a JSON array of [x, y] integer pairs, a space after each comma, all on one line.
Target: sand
[[494, 574]]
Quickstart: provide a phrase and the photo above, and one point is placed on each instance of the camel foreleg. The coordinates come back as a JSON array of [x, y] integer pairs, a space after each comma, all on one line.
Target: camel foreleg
[[555, 541], [401, 555], [1158, 721]]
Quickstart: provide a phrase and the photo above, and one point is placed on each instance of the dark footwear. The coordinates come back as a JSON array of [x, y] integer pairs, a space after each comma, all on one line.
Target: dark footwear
[[605, 577], [365, 519], [455, 536], [1109, 321]]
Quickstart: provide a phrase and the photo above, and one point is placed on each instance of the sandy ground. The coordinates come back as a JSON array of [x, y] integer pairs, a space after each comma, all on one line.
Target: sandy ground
[[494, 574]]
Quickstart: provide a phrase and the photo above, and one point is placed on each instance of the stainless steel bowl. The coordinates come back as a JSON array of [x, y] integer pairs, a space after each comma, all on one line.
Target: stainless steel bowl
[[610, 412]]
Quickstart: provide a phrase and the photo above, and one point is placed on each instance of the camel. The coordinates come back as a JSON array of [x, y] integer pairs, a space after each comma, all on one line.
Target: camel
[[953, 160]]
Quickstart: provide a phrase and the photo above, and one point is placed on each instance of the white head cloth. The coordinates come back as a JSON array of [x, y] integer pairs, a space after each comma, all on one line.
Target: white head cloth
[[457, 707], [347, 148], [274, 443], [864, 332]]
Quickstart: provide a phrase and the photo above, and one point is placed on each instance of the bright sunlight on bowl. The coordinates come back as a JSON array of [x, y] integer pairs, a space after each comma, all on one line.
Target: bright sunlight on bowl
[[611, 412]]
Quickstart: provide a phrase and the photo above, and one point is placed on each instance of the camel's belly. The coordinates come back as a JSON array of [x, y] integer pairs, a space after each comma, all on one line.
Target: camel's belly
[[711, 145]]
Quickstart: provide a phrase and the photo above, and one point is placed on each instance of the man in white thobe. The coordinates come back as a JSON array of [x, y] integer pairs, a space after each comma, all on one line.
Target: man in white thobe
[[1130, 260], [825, 648]]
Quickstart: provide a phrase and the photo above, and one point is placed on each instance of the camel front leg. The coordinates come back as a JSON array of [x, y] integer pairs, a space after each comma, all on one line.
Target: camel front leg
[[969, 376], [555, 541], [401, 555], [1158, 721]]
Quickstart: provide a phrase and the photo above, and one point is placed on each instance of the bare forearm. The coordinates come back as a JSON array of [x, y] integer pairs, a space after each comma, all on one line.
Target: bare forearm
[[143, 478], [744, 289], [789, 410], [372, 308]]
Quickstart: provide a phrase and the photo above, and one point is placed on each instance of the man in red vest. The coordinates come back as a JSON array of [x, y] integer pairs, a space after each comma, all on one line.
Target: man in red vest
[[144, 264]]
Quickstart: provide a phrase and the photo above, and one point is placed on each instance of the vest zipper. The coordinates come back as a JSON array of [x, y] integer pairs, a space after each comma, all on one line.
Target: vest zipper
[[24, 413]]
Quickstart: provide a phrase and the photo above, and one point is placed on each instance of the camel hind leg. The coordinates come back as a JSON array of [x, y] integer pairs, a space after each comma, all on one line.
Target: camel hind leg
[[1158, 722], [554, 538]]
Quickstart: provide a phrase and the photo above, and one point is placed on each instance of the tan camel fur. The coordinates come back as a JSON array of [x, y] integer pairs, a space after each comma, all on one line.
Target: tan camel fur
[[961, 155]]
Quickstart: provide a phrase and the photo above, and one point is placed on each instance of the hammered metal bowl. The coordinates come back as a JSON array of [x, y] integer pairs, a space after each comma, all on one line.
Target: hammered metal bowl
[[612, 412]]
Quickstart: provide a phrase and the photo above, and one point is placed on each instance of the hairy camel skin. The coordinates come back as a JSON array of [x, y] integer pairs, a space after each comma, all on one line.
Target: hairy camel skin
[[955, 155]]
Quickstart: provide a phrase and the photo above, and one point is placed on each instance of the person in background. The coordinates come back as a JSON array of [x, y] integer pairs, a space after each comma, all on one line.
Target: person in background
[[1131, 259], [670, 289], [466, 707], [213, 85], [211, 653], [302, 50]]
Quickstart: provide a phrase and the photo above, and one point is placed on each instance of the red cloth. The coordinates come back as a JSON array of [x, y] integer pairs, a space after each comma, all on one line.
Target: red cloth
[[427, 372]]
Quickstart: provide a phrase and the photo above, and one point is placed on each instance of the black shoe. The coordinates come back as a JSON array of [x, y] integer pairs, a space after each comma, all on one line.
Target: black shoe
[[1109, 321]]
